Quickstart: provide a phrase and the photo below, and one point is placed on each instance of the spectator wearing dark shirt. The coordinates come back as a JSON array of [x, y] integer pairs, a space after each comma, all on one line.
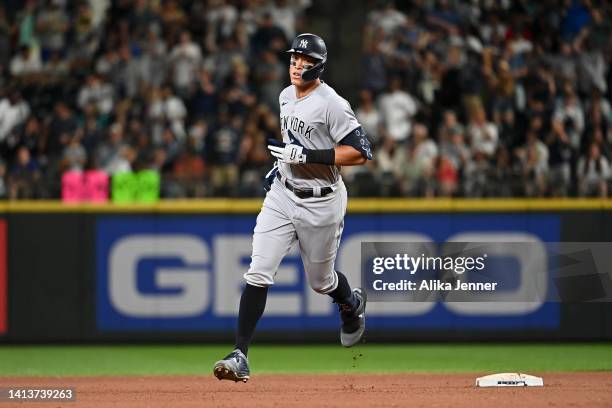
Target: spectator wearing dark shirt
[[223, 147]]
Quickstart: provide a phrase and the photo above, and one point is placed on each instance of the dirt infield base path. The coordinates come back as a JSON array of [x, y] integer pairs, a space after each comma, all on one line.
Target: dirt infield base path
[[397, 390]]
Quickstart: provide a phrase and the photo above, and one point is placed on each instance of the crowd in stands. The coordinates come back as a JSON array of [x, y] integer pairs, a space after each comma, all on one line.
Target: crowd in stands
[[460, 98], [488, 99]]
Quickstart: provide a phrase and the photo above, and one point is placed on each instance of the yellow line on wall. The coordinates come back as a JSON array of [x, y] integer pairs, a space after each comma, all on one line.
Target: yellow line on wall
[[247, 206]]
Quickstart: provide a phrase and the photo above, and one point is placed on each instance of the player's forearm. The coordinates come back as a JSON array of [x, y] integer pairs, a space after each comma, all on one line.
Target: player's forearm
[[343, 155], [348, 156]]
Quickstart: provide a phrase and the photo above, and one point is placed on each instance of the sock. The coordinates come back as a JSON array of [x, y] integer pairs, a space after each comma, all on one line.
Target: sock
[[343, 294], [252, 305]]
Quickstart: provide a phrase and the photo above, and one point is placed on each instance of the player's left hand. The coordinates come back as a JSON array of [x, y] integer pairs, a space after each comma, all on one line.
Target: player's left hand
[[288, 153]]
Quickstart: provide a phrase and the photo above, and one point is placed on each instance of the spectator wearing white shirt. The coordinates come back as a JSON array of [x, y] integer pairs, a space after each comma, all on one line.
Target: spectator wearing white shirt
[[397, 108], [97, 93], [221, 18], [13, 112], [482, 134], [568, 118], [168, 110], [25, 63], [426, 150], [284, 16], [534, 164], [388, 18], [185, 63]]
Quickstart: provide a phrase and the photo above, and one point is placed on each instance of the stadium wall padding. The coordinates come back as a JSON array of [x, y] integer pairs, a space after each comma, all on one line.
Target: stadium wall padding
[[173, 272]]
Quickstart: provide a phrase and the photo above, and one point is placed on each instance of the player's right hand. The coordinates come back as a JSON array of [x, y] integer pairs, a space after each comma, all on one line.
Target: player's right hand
[[287, 153]]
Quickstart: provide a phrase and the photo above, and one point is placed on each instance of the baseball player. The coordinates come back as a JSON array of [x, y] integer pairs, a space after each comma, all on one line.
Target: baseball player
[[305, 202]]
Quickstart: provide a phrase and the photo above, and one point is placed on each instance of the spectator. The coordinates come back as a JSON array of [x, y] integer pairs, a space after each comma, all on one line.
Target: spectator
[[425, 148], [502, 85], [561, 157], [85, 32], [26, 19], [374, 62], [221, 19], [454, 148], [269, 73], [368, 115], [502, 178], [533, 157], [568, 118], [450, 127], [204, 101], [110, 153], [24, 176], [268, 36], [60, 130], [447, 176], [593, 173], [482, 134], [255, 158], [13, 112], [128, 74], [223, 146], [476, 181], [188, 174], [397, 108], [167, 109], [390, 157], [51, 26], [98, 93], [75, 155], [388, 18], [25, 63], [185, 63], [154, 64], [144, 20], [31, 137]]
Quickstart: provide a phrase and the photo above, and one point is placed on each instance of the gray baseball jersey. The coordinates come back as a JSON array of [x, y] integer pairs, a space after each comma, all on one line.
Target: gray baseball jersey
[[317, 121]]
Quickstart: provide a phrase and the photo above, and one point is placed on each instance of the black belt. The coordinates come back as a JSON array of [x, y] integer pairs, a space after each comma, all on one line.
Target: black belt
[[303, 192]]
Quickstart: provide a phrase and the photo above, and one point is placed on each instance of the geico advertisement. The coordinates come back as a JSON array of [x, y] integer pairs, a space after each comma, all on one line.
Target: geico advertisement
[[185, 273]]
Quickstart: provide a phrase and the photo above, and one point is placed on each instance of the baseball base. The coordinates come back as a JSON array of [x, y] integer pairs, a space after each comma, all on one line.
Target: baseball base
[[509, 380]]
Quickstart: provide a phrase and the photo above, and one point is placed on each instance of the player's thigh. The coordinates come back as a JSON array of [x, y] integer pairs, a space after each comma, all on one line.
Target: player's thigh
[[318, 248], [319, 240], [273, 237]]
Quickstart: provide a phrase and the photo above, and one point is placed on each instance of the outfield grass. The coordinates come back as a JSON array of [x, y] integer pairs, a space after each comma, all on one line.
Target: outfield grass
[[198, 359]]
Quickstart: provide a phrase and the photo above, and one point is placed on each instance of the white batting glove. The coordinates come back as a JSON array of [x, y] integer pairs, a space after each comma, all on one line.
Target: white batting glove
[[289, 153]]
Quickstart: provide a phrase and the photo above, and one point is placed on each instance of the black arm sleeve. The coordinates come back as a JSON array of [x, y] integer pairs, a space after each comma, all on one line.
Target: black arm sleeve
[[358, 139], [323, 156]]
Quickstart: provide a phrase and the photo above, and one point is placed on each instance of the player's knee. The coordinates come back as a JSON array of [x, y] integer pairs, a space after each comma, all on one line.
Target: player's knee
[[323, 283], [256, 278], [261, 271], [322, 289]]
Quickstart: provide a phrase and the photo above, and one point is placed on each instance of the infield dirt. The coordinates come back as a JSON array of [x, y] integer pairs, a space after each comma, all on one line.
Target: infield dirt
[[324, 390]]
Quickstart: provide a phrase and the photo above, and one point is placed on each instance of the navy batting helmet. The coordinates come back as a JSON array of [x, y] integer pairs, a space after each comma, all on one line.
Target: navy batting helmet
[[313, 46]]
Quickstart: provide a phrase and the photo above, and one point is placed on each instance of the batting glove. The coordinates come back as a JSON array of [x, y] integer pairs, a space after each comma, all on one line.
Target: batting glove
[[287, 153]]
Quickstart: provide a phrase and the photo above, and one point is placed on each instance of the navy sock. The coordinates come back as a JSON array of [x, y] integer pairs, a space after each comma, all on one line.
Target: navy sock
[[252, 305], [343, 294]]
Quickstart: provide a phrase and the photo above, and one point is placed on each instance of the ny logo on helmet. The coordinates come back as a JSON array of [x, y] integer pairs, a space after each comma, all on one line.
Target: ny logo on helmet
[[304, 43]]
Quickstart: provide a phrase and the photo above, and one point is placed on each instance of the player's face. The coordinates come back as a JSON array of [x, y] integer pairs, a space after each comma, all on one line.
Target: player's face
[[297, 64]]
